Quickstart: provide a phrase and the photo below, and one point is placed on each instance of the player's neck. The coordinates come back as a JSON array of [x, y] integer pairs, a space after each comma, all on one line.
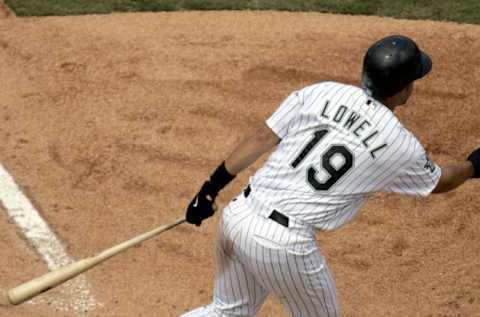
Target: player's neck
[[390, 105], [399, 98]]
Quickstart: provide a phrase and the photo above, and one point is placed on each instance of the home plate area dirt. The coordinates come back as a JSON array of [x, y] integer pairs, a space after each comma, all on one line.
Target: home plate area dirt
[[110, 123]]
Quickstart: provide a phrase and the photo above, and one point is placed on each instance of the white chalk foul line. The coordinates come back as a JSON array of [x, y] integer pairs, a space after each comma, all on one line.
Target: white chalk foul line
[[75, 294]]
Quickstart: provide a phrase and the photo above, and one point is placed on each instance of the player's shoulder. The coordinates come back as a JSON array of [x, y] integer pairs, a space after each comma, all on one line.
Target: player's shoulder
[[327, 85], [408, 144], [328, 89]]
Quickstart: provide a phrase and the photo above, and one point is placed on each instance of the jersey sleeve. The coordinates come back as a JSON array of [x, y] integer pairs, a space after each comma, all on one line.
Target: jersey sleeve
[[419, 176], [285, 113]]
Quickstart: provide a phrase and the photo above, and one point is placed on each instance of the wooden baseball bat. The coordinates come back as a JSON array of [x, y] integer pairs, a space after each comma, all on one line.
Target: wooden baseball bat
[[32, 288]]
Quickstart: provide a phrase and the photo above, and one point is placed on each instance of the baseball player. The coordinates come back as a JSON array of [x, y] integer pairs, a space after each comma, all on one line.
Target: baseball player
[[334, 146]]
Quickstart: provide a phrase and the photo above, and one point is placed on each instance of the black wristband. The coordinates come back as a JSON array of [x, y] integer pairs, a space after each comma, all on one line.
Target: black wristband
[[219, 179]]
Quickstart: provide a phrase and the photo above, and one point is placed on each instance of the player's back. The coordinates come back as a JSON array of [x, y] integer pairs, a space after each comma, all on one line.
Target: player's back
[[338, 146]]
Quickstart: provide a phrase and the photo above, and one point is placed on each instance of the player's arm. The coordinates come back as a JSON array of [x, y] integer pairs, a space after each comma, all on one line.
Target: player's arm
[[423, 177], [455, 175], [264, 138], [247, 152]]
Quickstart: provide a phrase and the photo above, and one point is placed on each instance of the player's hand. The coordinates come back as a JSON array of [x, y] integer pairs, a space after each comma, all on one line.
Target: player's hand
[[474, 157], [202, 206]]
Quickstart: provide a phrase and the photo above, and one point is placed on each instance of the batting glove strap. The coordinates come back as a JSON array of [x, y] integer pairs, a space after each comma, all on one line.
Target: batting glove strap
[[474, 157]]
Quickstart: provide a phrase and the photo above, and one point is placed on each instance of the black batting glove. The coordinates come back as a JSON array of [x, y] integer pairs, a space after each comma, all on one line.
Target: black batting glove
[[202, 206], [474, 157]]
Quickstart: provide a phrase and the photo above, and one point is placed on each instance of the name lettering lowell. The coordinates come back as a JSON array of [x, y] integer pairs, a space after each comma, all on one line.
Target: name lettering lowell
[[356, 124]]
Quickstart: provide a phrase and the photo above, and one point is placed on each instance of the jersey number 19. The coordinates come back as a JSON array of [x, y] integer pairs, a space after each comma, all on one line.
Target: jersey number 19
[[335, 172]]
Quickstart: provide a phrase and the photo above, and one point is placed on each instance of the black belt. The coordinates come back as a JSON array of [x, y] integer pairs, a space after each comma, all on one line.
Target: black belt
[[275, 215]]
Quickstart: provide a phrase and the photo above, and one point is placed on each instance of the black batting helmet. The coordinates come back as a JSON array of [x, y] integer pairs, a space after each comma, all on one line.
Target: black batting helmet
[[391, 64]]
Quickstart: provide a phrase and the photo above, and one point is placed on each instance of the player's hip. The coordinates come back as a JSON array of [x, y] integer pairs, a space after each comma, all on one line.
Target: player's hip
[[244, 229]]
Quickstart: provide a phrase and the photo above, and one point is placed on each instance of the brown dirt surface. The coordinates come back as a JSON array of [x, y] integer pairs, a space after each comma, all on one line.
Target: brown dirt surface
[[110, 123]]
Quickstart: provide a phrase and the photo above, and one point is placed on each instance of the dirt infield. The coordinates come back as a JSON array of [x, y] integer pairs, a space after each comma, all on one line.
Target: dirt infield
[[110, 123]]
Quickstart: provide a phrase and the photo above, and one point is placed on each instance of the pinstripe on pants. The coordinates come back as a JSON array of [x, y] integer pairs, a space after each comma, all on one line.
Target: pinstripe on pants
[[257, 256]]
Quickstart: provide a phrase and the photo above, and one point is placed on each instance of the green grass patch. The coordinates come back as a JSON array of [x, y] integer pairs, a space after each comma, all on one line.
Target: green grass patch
[[464, 11]]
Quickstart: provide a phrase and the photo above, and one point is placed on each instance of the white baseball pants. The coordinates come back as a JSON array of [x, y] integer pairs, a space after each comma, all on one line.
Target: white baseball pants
[[257, 256]]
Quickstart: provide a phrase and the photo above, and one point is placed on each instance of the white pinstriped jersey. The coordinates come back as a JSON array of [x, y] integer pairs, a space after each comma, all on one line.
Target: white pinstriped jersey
[[338, 146]]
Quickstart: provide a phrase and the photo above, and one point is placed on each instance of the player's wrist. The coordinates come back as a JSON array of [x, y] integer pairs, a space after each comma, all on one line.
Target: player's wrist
[[470, 170], [220, 178]]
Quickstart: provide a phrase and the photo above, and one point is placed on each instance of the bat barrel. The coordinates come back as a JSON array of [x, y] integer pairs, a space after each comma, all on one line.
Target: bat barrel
[[32, 288]]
